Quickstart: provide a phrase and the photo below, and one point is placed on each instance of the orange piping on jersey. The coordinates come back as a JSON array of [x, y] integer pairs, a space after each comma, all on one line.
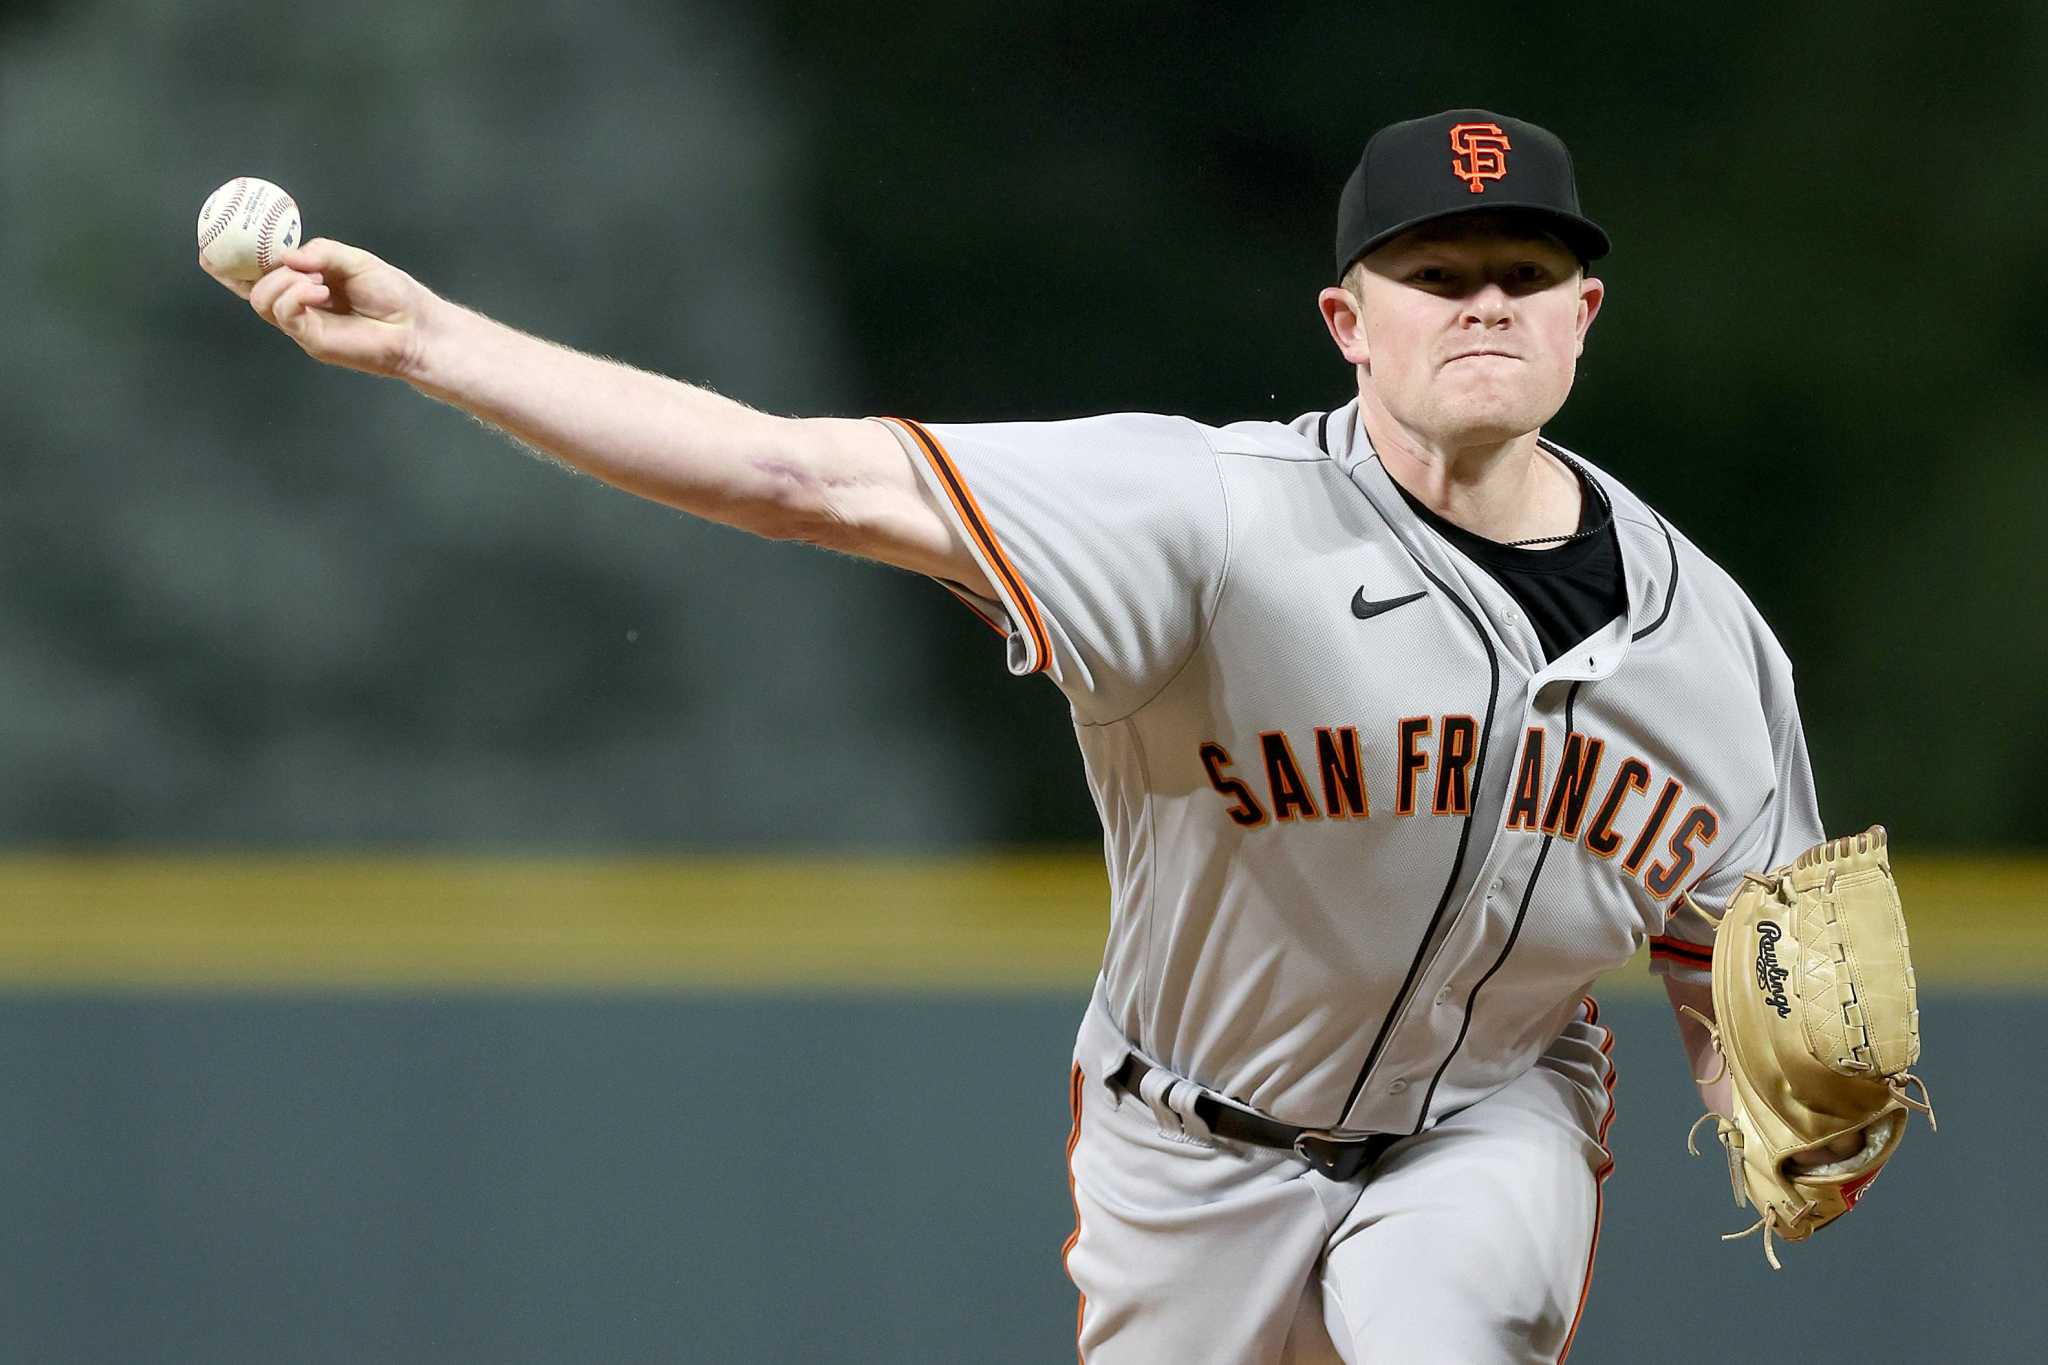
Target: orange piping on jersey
[[1599, 1182], [1010, 583], [1678, 950], [1073, 1240], [969, 603]]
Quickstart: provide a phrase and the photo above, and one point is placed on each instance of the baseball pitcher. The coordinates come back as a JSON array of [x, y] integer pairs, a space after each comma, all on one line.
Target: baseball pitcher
[[1404, 723]]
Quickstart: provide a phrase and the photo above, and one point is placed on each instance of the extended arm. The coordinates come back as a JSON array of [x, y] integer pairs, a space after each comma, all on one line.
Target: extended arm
[[843, 484]]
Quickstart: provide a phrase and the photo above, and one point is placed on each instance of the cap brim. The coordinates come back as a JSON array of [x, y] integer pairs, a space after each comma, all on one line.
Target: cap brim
[[1582, 235]]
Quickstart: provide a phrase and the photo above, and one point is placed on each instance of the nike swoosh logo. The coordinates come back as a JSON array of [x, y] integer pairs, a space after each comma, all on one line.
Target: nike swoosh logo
[[1365, 610]]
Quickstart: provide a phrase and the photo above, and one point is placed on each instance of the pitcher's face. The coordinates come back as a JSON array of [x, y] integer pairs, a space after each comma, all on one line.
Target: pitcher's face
[[1470, 331]]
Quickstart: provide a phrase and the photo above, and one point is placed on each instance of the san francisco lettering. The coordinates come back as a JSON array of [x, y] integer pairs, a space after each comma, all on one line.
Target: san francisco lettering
[[1625, 811], [1770, 977]]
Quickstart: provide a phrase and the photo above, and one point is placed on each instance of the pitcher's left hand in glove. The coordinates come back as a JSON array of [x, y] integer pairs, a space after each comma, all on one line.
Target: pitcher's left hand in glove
[[1816, 1023]]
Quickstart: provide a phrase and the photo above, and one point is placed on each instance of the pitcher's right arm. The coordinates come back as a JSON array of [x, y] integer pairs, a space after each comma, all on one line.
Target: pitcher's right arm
[[843, 484]]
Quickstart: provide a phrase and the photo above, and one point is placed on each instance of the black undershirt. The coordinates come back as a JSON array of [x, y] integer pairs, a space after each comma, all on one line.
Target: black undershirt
[[1568, 591]]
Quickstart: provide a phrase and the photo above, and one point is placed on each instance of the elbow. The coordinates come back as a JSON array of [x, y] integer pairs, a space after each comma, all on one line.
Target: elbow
[[789, 501], [779, 494], [802, 521], [779, 513], [797, 494]]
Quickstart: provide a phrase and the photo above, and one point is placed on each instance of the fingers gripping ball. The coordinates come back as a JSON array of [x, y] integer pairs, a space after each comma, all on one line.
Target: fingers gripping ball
[[245, 227], [1816, 1019]]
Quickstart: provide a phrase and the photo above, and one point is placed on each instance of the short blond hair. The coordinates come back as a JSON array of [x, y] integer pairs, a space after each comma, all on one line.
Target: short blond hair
[[1353, 282]]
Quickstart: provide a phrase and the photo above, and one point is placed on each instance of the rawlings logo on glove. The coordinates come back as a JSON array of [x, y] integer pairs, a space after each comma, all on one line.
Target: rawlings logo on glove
[[1770, 977], [1818, 1054]]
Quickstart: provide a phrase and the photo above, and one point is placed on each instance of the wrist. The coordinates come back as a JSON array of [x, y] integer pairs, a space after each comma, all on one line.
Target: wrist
[[428, 361]]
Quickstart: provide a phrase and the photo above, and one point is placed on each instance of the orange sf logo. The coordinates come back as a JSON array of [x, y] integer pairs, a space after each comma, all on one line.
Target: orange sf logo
[[1478, 148]]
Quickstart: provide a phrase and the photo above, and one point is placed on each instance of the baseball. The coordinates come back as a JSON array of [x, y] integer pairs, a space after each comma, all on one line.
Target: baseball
[[245, 226]]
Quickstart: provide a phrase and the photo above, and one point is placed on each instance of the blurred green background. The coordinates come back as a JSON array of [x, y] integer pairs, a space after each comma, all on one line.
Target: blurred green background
[[259, 612], [257, 602]]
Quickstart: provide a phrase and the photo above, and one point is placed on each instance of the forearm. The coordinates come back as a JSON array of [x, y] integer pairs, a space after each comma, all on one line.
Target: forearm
[[645, 433], [844, 484], [1699, 1045]]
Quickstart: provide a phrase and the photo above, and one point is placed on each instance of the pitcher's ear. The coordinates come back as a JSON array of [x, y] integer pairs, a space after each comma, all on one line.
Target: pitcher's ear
[[1592, 293], [1346, 324]]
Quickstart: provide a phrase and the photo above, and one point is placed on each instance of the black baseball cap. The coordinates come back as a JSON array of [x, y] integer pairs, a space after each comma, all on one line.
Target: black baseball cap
[[1461, 161]]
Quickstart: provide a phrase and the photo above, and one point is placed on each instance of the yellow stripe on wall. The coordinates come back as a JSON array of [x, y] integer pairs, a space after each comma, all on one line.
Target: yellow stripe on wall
[[1009, 922], [294, 921]]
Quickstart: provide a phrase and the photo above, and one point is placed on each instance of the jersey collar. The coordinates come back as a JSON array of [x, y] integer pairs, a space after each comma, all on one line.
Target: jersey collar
[[1649, 550]]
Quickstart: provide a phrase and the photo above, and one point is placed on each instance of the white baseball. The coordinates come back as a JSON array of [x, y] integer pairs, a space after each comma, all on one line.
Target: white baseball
[[244, 227]]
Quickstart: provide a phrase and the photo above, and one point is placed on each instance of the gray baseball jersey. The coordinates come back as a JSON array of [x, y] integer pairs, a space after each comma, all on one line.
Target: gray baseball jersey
[[1366, 846]]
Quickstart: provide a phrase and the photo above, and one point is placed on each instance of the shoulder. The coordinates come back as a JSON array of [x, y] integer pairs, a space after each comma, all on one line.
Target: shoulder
[[1147, 432], [1303, 440], [1105, 432]]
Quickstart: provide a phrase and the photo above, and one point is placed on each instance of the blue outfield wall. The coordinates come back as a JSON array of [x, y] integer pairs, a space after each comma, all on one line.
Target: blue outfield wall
[[761, 1178]]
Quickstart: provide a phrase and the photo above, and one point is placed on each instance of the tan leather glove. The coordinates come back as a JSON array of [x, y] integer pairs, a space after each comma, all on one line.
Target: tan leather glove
[[1817, 1025]]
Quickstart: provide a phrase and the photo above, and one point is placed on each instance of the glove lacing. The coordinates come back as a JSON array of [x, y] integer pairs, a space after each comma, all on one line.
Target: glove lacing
[[1925, 1104], [1731, 1141], [1730, 1137], [1767, 1222]]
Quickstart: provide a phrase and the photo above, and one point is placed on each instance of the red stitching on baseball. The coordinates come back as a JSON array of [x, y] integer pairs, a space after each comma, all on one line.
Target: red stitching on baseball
[[270, 220], [227, 215]]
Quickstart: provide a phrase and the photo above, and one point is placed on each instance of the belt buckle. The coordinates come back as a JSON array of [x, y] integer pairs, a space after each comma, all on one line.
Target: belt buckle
[[1361, 1146], [1319, 1135]]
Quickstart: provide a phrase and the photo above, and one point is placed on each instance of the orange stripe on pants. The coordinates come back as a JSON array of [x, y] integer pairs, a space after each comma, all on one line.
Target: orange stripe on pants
[[1599, 1181], [1074, 1238]]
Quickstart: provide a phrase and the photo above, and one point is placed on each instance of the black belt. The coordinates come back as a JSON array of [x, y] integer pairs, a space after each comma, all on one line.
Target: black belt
[[1339, 1158]]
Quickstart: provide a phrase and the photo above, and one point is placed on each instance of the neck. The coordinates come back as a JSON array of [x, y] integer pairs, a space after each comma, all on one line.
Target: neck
[[1501, 489]]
